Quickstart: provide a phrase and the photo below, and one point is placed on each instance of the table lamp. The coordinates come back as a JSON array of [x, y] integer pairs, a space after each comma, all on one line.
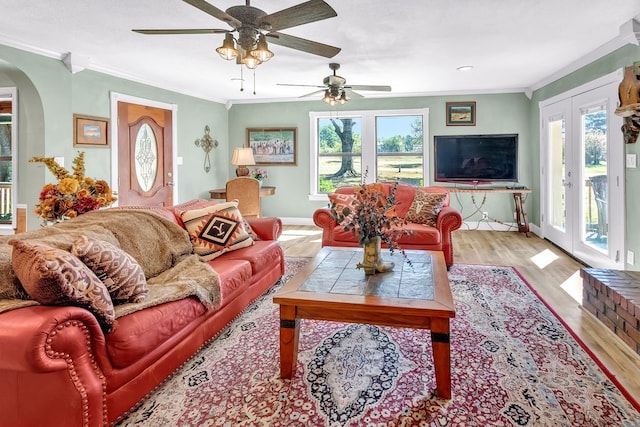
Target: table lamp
[[242, 157]]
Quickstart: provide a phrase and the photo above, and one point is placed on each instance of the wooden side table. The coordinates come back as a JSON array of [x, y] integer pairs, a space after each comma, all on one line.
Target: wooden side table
[[221, 193]]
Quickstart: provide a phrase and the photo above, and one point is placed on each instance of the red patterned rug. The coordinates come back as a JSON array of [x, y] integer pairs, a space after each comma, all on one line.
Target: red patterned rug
[[513, 364]]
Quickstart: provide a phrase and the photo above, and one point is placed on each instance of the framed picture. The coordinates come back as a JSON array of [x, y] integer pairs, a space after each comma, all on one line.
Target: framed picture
[[273, 146], [461, 113], [90, 131]]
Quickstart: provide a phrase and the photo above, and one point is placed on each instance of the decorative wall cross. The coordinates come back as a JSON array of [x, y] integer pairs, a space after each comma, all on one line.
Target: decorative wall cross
[[207, 143]]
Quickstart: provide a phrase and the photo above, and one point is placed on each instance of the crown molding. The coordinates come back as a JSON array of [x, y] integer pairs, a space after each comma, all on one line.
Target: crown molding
[[629, 34]]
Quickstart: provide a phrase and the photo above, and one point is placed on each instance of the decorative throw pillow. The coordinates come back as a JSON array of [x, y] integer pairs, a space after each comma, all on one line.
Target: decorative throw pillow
[[119, 271], [250, 231], [342, 202], [53, 276], [216, 229], [425, 208]]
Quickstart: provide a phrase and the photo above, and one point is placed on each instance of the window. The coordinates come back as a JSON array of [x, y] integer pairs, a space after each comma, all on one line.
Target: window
[[387, 145], [8, 141]]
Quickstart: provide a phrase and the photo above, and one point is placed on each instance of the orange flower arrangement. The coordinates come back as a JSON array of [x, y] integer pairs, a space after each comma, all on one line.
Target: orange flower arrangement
[[74, 194]]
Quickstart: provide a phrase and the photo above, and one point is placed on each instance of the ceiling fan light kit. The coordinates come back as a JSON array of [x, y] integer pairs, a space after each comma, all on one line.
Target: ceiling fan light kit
[[333, 97], [227, 50]]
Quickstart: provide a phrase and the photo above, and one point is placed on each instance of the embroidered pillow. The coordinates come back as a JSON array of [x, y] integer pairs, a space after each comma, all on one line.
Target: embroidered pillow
[[119, 271], [425, 208], [250, 230], [216, 229], [53, 276], [340, 202]]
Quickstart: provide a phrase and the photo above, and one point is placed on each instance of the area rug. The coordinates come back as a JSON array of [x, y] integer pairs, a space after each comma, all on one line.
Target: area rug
[[513, 364]]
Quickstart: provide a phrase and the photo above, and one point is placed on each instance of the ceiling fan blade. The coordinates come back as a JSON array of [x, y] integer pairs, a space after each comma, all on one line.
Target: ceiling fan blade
[[352, 94], [303, 44], [215, 12], [369, 87], [312, 93], [290, 84], [182, 31], [303, 13]]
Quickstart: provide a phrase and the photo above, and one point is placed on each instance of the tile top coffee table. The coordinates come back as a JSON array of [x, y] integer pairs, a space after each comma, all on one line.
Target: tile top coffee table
[[330, 287]]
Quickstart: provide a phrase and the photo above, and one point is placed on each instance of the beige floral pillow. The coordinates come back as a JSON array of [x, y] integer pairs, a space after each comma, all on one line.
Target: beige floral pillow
[[53, 276], [425, 208], [119, 271]]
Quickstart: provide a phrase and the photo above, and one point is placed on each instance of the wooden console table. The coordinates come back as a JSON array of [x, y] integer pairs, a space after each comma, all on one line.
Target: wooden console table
[[519, 197], [221, 193]]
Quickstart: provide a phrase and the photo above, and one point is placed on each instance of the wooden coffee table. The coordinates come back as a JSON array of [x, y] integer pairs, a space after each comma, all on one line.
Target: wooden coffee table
[[330, 287]]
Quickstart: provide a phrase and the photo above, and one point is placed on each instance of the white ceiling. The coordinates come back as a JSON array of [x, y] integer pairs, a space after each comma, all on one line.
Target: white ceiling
[[414, 46]]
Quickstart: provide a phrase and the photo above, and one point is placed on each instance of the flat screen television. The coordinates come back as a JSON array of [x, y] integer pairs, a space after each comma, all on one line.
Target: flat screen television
[[476, 159]]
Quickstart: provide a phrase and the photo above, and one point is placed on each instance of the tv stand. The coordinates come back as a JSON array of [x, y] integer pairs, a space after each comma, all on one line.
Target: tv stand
[[519, 198]]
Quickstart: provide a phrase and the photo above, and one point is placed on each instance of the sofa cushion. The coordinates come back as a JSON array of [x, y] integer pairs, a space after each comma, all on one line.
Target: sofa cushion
[[142, 332], [260, 255], [340, 202], [216, 229], [233, 274], [53, 276], [118, 270], [425, 208], [420, 235]]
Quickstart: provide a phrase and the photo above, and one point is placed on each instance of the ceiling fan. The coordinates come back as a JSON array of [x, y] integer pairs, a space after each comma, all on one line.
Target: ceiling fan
[[335, 88], [253, 25]]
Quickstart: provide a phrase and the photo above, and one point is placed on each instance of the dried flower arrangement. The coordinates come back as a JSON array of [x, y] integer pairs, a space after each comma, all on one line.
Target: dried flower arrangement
[[74, 194], [372, 213]]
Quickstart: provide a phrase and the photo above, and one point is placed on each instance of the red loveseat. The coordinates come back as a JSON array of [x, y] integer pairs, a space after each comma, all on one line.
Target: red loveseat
[[58, 367], [423, 237]]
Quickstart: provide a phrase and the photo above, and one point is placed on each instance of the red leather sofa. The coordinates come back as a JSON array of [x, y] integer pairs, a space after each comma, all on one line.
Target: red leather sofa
[[423, 237], [58, 368]]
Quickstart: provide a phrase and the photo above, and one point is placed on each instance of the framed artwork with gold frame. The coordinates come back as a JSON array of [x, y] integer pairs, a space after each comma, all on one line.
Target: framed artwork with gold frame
[[461, 113], [273, 146], [90, 131]]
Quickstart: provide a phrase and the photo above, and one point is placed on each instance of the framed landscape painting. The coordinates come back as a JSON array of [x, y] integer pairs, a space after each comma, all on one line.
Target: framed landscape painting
[[273, 146], [461, 113], [90, 131]]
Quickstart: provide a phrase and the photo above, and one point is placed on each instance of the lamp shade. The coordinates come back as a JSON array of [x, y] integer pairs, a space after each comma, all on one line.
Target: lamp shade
[[242, 157]]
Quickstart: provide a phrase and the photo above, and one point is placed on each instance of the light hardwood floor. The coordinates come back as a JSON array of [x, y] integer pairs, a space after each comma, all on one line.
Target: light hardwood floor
[[552, 273]]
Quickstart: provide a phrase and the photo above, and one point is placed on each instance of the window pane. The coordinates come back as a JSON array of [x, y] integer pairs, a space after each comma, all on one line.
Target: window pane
[[329, 166], [5, 139], [348, 140], [399, 134], [595, 198], [557, 166], [407, 169]]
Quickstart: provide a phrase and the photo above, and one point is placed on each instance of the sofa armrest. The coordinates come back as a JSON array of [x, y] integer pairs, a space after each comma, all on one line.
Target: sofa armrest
[[322, 218], [449, 219], [268, 228], [47, 353]]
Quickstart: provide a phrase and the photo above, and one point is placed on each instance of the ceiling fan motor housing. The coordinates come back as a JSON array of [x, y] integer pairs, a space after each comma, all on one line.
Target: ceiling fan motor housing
[[247, 32]]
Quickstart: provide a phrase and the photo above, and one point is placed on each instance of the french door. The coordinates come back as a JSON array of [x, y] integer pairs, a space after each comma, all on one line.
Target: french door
[[582, 175]]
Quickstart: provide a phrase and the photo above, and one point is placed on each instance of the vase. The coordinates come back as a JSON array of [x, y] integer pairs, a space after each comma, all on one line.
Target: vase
[[259, 183], [372, 262]]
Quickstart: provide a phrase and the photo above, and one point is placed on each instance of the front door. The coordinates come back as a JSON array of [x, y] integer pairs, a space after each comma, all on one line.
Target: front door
[[145, 155]]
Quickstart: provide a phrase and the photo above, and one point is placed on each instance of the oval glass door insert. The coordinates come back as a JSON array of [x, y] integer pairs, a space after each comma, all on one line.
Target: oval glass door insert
[[146, 154]]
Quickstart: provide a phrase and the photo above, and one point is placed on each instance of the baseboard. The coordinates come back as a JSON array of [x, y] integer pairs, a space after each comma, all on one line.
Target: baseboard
[[297, 221], [488, 226]]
